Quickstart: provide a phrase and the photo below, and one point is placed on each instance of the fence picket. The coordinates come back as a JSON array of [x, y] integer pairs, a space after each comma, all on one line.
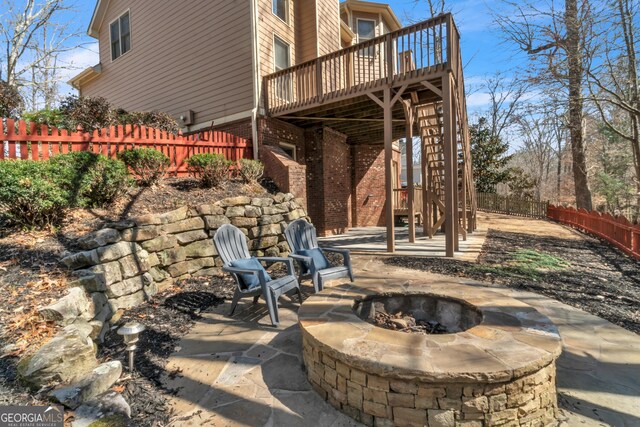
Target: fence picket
[[492, 202], [616, 230], [40, 143]]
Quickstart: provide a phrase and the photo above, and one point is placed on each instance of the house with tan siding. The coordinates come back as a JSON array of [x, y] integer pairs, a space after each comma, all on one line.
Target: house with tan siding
[[267, 70]]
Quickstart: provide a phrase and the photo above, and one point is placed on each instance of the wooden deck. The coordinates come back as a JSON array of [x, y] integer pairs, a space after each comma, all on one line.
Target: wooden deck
[[383, 89]]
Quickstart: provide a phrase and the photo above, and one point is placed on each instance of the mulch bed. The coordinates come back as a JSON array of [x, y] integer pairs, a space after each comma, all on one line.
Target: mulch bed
[[599, 279], [30, 278], [29, 273], [167, 318]]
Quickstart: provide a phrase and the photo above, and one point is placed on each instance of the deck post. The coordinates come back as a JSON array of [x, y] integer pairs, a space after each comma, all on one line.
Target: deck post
[[426, 197], [409, 116], [388, 168], [450, 177]]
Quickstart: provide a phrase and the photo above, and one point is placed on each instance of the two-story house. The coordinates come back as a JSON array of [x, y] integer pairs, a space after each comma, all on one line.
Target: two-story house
[[292, 76]]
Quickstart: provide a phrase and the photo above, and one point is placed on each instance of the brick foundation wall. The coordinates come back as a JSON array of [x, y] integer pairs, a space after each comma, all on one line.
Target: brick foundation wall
[[289, 176], [315, 182], [343, 185], [336, 181], [368, 184], [241, 128], [273, 131], [328, 180]]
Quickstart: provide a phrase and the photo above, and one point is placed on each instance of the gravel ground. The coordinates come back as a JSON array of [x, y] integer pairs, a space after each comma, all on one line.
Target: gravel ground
[[584, 273]]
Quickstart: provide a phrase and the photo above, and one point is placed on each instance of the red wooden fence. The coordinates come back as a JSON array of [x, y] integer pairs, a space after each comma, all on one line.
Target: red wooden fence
[[617, 230], [39, 142]]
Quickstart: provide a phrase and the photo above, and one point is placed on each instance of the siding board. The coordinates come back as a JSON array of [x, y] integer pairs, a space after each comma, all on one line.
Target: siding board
[[195, 57], [329, 26]]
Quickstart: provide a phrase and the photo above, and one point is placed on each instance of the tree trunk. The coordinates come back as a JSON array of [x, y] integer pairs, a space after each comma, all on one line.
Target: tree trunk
[[559, 171], [575, 73], [628, 30]]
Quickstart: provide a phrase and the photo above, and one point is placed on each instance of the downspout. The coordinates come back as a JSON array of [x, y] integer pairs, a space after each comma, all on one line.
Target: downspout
[[256, 76]]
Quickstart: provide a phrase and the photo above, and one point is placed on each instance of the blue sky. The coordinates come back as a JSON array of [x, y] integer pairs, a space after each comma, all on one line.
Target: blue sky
[[483, 50]]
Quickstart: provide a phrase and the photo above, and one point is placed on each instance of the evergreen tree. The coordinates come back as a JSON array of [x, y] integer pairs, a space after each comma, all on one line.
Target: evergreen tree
[[489, 157]]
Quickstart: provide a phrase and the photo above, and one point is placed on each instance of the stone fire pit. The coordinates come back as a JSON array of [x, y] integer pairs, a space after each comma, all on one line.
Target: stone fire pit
[[495, 365]]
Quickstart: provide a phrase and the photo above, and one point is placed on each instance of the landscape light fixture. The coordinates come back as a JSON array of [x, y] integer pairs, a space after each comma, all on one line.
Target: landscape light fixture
[[130, 332]]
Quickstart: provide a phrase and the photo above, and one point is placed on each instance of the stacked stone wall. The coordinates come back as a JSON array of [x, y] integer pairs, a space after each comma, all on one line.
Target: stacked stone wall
[[128, 262], [527, 401]]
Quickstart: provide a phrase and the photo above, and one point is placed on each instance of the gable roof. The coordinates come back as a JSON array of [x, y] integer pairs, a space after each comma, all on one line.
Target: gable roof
[[98, 16], [373, 7]]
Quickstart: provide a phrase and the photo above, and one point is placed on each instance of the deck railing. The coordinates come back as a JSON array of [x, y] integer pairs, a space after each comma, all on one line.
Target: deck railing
[[400, 55], [19, 140], [401, 200]]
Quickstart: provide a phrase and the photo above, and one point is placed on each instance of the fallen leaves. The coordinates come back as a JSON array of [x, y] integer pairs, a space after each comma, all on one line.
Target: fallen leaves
[[23, 325]]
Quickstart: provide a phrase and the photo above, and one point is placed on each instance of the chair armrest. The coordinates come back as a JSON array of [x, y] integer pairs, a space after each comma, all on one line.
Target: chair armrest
[[287, 261], [236, 270], [346, 255], [301, 257], [336, 250], [239, 270], [305, 262]]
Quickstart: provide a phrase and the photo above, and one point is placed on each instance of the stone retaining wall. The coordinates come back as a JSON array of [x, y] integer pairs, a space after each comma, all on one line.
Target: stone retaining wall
[[129, 261], [373, 400]]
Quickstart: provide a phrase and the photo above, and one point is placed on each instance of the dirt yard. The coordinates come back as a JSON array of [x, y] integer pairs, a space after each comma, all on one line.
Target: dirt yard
[[553, 260]]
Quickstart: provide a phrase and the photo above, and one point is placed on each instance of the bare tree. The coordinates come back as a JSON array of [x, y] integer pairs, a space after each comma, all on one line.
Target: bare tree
[[33, 42], [613, 82], [534, 127], [505, 96], [558, 42]]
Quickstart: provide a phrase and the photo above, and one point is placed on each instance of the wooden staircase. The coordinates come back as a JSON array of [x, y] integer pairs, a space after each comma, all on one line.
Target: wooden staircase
[[429, 120]]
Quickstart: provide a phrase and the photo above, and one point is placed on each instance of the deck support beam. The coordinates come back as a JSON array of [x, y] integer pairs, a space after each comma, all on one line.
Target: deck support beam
[[409, 114], [387, 107], [450, 168]]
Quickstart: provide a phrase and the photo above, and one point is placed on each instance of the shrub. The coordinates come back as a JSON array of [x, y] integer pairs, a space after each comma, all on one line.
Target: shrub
[[10, 100], [251, 170], [92, 180], [150, 165], [49, 117], [30, 193], [211, 169], [153, 119], [89, 113]]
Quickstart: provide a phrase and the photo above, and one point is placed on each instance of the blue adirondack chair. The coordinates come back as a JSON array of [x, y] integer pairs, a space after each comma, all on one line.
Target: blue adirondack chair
[[250, 276], [313, 264]]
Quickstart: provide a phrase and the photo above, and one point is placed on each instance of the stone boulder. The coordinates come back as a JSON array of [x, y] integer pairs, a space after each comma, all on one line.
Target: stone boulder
[[99, 238], [95, 383], [67, 308], [109, 407], [67, 356]]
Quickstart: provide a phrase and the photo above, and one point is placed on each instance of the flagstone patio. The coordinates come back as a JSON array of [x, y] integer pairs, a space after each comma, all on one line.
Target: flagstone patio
[[241, 371]]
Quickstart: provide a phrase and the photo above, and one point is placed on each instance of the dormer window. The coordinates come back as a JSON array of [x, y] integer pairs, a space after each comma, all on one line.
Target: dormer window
[[280, 9], [366, 30], [120, 30]]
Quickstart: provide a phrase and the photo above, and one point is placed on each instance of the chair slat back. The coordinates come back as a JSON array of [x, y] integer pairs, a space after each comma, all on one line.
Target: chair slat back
[[301, 235], [230, 243]]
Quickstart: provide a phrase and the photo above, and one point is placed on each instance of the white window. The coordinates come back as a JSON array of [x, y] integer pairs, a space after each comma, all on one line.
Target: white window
[[281, 9], [281, 61], [366, 30], [120, 36], [281, 52], [289, 149]]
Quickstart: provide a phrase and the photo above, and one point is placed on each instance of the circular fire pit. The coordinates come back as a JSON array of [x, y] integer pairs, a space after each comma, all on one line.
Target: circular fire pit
[[471, 355], [426, 314]]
